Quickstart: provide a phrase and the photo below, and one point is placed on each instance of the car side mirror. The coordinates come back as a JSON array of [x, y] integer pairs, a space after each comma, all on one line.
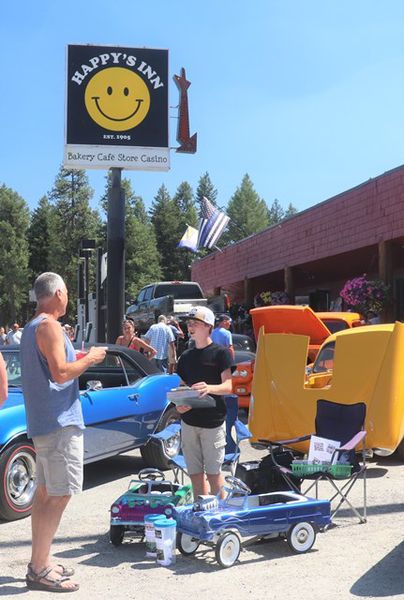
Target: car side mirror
[[94, 385]]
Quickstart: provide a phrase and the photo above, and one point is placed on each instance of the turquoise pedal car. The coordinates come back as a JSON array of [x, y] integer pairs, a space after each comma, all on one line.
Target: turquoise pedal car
[[150, 494]]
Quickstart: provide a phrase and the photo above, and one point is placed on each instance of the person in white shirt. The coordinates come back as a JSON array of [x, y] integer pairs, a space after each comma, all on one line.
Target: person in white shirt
[[161, 338], [14, 335]]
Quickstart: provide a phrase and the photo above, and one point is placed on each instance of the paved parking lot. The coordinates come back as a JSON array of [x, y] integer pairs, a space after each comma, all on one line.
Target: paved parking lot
[[348, 561]]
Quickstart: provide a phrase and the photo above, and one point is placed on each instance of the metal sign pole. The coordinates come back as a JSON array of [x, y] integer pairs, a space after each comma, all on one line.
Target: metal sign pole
[[116, 256]]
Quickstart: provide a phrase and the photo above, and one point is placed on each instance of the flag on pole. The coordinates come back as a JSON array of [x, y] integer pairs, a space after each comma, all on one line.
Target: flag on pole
[[212, 224], [189, 239]]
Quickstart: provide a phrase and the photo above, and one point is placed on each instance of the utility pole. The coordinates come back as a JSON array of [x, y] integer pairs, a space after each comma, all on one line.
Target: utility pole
[[115, 256]]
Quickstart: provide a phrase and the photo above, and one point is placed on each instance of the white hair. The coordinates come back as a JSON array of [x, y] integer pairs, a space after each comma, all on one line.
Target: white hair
[[162, 319], [46, 284]]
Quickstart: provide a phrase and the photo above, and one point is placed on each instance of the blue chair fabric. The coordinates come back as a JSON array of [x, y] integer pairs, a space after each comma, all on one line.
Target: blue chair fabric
[[236, 431]]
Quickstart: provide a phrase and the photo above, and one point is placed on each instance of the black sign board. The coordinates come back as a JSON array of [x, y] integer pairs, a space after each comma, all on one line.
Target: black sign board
[[117, 107]]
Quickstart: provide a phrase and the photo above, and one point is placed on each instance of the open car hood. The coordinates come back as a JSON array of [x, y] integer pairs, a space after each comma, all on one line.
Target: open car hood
[[300, 320]]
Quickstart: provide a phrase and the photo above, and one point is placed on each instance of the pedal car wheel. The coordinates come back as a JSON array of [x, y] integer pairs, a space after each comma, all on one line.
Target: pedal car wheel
[[227, 549], [186, 544], [116, 533], [301, 537]]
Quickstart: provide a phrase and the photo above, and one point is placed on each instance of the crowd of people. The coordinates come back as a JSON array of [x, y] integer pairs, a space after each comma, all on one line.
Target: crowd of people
[[12, 336]]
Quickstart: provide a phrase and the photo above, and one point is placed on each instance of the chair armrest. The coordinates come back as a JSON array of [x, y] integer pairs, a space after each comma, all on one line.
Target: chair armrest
[[270, 443], [170, 431], [352, 442], [242, 431]]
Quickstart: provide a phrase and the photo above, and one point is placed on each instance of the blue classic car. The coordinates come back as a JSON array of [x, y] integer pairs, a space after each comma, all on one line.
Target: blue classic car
[[124, 399], [223, 523]]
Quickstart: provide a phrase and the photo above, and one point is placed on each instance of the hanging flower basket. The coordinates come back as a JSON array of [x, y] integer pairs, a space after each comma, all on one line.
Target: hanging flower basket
[[364, 295], [271, 298], [280, 298]]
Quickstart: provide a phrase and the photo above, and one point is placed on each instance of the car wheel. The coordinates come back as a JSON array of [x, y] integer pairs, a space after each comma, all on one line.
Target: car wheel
[[227, 549], [116, 533], [157, 454], [186, 544], [17, 481], [301, 537], [400, 450]]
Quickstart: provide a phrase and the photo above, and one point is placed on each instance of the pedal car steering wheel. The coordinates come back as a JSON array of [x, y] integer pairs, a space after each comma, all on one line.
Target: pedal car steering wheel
[[154, 474], [237, 485]]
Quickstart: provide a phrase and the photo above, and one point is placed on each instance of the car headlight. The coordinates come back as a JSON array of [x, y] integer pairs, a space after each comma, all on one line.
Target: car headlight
[[240, 373], [115, 510]]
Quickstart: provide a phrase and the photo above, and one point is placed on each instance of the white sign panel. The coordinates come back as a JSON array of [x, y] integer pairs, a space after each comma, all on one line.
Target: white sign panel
[[101, 157]]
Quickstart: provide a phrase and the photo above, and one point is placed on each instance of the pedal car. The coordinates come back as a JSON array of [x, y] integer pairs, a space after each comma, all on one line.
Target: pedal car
[[149, 494], [223, 523]]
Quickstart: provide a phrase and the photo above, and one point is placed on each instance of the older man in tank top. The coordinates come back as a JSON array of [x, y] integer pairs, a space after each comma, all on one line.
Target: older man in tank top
[[55, 423]]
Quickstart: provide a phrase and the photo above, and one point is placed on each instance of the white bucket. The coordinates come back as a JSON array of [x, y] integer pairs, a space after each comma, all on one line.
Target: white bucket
[[165, 531], [150, 535]]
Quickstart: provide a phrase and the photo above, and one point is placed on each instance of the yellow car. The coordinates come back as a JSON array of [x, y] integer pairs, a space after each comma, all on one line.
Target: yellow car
[[363, 364]]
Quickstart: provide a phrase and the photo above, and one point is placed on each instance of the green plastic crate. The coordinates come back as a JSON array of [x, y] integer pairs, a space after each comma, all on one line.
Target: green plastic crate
[[303, 468]]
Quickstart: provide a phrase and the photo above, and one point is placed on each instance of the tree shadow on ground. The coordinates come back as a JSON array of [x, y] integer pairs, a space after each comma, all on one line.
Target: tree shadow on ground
[[384, 578], [7, 589]]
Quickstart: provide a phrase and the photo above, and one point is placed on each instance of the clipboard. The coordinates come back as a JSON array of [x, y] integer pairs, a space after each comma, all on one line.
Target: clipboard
[[185, 396]]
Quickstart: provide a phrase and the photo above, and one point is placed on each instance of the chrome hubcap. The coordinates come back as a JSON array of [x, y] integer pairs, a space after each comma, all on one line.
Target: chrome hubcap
[[20, 479]]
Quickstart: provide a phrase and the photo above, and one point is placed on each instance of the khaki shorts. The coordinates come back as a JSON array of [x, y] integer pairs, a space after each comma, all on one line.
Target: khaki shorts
[[59, 461], [203, 448]]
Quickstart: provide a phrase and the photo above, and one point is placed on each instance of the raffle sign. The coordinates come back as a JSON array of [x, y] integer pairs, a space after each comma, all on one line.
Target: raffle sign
[[117, 108]]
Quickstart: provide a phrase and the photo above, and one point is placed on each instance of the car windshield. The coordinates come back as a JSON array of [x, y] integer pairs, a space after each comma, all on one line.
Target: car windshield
[[325, 359], [243, 342], [13, 367], [180, 291], [334, 325]]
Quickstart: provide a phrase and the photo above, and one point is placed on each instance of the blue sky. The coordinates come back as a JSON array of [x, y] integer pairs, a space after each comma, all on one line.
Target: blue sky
[[306, 97]]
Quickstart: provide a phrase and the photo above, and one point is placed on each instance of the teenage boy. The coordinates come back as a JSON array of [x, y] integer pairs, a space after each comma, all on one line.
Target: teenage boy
[[207, 368]]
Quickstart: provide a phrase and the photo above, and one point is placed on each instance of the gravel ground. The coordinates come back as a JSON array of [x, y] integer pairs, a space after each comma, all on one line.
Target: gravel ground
[[350, 560]]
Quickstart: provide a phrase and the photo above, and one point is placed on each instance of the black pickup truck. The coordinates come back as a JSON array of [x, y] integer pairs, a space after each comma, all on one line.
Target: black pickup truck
[[165, 298]]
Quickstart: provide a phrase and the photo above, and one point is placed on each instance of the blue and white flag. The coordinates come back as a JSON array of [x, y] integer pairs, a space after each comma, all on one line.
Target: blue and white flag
[[212, 224], [189, 239]]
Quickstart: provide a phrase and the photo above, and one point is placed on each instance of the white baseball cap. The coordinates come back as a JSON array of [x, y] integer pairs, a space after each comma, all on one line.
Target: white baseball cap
[[202, 313]]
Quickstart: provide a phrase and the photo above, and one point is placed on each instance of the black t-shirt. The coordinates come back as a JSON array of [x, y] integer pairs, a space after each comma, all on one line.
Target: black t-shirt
[[205, 364]]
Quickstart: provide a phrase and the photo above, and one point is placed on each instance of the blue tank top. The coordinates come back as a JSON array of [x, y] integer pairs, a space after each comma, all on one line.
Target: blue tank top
[[48, 405]]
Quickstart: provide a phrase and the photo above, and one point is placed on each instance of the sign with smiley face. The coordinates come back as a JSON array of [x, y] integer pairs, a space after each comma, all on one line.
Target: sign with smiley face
[[117, 108]]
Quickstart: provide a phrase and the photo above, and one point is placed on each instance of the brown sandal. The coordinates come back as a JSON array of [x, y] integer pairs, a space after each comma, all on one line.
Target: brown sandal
[[36, 581], [65, 571]]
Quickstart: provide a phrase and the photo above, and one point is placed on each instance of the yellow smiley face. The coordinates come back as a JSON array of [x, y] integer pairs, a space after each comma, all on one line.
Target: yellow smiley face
[[117, 99]]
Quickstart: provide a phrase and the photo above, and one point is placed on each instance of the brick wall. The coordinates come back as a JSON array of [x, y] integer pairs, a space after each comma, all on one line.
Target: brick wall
[[362, 216]]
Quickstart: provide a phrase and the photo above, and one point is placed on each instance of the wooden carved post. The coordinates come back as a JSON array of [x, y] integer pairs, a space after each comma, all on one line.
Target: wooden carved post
[[289, 283], [386, 274]]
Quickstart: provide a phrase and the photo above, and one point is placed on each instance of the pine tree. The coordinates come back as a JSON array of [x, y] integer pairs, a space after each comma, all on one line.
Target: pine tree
[[276, 212], [142, 260], [14, 281], [188, 217], [247, 211], [74, 221], [290, 211], [206, 189], [40, 238], [166, 217]]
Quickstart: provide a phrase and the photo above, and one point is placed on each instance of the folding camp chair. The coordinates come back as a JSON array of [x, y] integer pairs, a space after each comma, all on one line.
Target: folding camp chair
[[343, 423], [232, 450]]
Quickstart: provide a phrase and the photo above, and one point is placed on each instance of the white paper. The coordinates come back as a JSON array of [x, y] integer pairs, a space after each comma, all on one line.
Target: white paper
[[321, 450]]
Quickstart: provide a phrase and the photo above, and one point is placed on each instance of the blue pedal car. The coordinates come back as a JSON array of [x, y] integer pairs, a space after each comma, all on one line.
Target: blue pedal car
[[223, 523]]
